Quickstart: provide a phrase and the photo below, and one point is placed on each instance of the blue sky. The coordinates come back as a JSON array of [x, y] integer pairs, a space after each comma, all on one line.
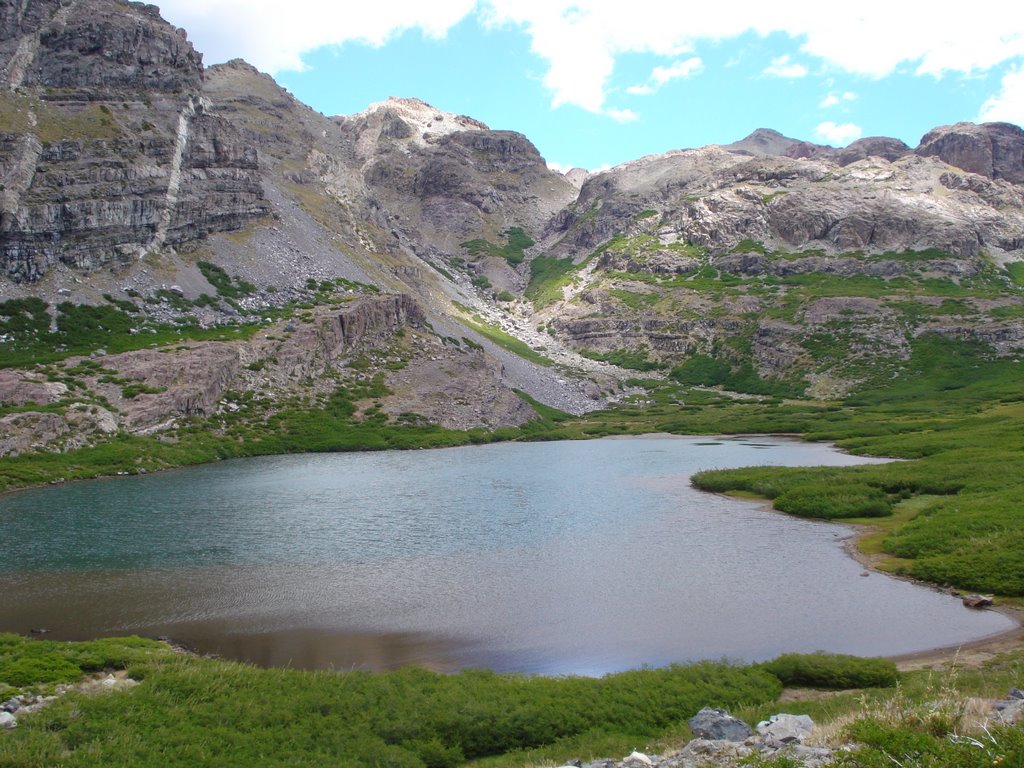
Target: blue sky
[[598, 83]]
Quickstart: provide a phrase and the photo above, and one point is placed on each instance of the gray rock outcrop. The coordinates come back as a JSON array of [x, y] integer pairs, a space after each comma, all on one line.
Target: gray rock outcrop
[[718, 725], [995, 150], [873, 146]]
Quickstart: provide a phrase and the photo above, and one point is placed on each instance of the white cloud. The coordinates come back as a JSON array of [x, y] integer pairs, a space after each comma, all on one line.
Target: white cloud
[[782, 66], [833, 99], [580, 40], [661, 75], [643, 89], [839, 135], [1007, 105], [621, 115], [273, 37]]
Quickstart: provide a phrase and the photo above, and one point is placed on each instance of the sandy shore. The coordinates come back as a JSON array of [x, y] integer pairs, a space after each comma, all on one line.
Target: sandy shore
[[971, 654]]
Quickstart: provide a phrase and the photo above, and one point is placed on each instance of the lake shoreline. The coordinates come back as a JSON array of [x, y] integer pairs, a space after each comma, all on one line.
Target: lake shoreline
[[972, 653], [672, 478]]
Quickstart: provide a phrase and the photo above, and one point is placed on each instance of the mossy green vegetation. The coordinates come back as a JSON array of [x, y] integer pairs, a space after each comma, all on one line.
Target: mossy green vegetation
[[1016, 271], [516, 242], [26, 338], [195, 711], [707, 371], [226, 285], [548, 278], [832, 671], [505, 340], [26, 663]]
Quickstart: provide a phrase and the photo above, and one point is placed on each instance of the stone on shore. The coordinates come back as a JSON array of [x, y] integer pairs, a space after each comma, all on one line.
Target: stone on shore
[[785, 729], [718, 725], [977, 601]]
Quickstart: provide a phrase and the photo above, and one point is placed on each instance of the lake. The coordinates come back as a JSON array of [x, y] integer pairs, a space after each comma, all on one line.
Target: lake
[[577, 557]]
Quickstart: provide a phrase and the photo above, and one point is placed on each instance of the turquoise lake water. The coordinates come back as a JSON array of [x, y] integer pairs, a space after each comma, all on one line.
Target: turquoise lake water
[[564, 557]]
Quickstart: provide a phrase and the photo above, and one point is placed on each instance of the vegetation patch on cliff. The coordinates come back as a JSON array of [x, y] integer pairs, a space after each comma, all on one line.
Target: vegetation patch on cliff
[[516, 242]]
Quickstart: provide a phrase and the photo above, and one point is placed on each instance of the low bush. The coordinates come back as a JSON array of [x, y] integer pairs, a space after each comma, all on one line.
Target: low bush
[[832, 671], [834, 501], [25, 662]]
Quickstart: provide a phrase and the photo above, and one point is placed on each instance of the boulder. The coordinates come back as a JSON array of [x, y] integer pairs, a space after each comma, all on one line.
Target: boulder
[[718, 725], [977, 601], [7, 721], [11, 705], [638, 758], [785, 728], [1011, 713]]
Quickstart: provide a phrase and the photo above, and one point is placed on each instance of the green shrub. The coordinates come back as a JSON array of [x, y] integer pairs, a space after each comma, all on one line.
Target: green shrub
[[703, 370], [517, 241], [230, 287], [633, 359], [37, 668], [25, 662], [832, 671], [837, 500], [24, 319]]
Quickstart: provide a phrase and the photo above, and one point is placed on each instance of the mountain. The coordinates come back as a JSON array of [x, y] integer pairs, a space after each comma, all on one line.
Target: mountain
[[189, 248]]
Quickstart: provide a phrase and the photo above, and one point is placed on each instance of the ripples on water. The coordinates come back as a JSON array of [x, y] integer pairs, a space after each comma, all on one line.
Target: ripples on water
[[571, 557]]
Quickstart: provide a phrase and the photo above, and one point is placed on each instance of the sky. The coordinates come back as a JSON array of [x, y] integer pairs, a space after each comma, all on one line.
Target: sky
[[594, 83]]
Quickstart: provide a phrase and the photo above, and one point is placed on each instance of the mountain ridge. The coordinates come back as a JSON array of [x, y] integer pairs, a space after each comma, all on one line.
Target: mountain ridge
[[168, 195]]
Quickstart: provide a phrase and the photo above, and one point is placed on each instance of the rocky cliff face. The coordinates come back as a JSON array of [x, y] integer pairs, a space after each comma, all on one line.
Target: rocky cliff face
[[807, 263], [107, 151], [132, 177], [994, 150], [715, 199]]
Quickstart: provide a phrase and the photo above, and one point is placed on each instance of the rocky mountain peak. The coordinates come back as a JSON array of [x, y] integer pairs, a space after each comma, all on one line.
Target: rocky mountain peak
[[995, 150], [405, 120], [577, 176], [765, 142]]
